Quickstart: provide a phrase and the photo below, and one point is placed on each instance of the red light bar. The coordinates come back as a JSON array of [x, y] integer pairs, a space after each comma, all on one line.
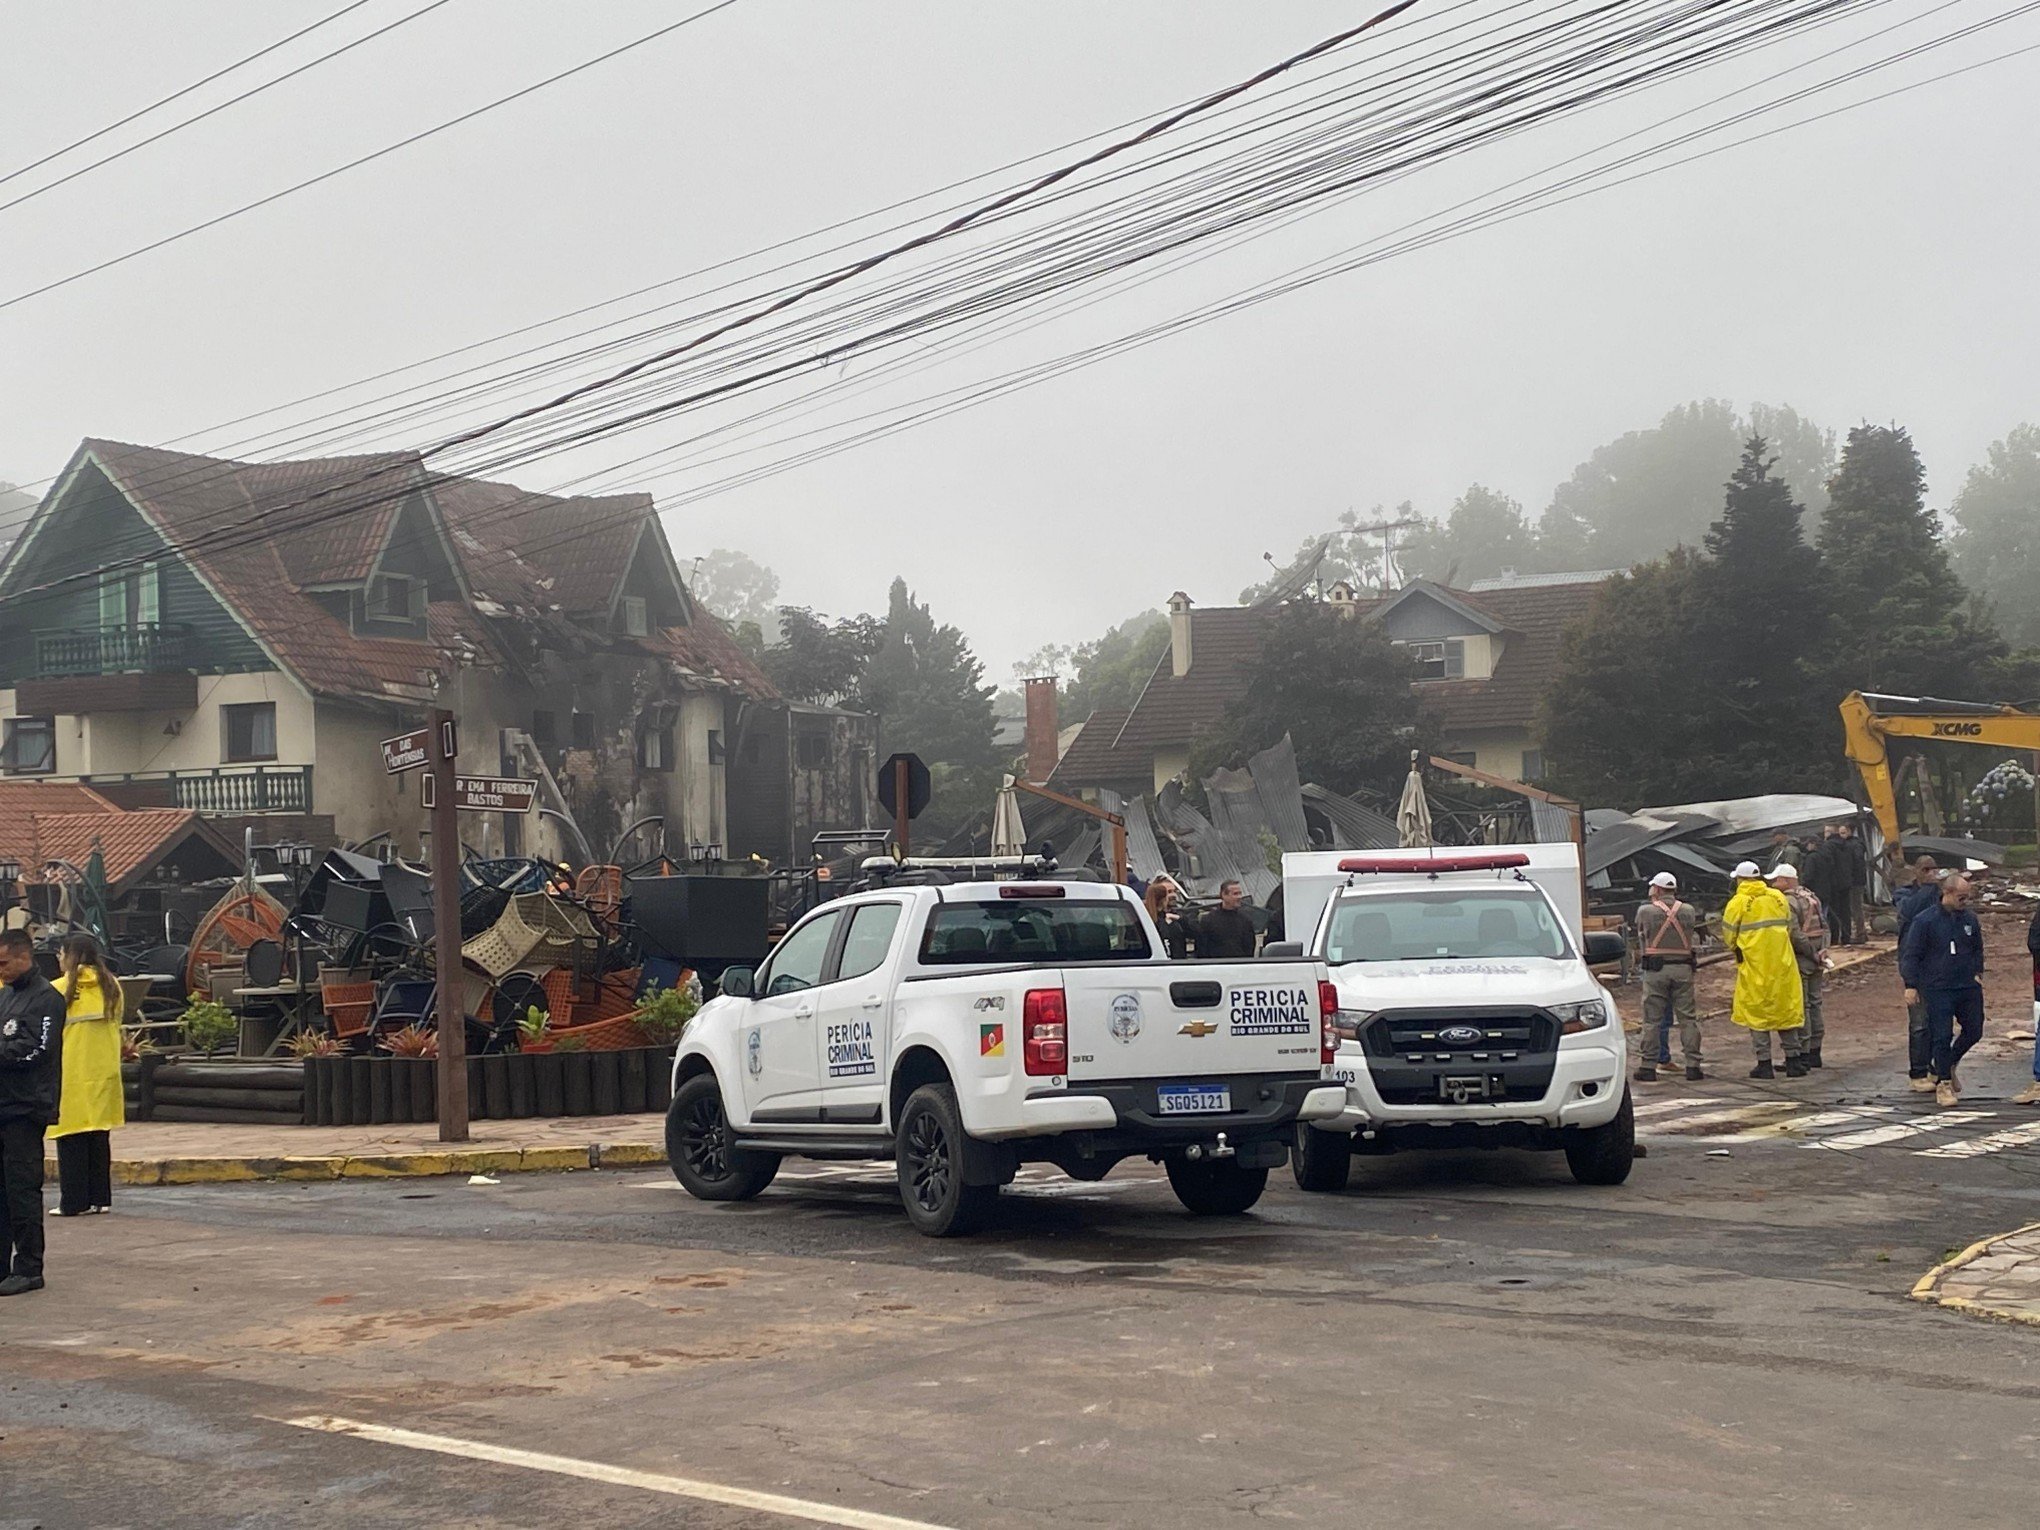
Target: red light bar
[[1500, 861], [1031, 890]]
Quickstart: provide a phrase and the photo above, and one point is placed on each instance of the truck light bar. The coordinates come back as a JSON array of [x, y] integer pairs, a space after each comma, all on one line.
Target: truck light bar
[[1032, 890], [1498, 861]]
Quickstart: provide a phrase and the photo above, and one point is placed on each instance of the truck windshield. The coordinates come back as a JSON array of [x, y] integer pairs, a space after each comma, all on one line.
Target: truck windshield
[[1443, 924], [963, 934]]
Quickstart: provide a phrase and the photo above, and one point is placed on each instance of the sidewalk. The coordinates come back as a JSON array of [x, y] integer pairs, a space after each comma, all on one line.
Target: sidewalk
[[177, 1153], [1997, 1278]]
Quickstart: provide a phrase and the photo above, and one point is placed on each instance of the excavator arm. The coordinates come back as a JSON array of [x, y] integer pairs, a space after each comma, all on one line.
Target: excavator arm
[[1865, 729]]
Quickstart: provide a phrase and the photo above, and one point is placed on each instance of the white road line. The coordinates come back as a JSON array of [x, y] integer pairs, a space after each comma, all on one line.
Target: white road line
[[1977, 1147], [615, 1476], [1666, 1107], [1898, 1131], [1854, 1116], [1750, 1113]]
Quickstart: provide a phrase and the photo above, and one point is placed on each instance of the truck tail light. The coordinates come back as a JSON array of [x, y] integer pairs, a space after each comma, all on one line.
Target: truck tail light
[[1045, 1031], [1328, 1022]]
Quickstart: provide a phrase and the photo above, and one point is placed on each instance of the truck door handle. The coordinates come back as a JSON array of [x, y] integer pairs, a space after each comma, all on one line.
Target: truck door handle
[[876, 1001], [804, 1012]]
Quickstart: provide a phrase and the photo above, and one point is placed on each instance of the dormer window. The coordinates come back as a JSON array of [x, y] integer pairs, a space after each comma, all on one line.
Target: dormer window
[[1441, 660], [393, 598], [633, 616]]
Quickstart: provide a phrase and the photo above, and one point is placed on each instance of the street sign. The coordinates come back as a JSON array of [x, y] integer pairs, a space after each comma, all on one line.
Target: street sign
[[408, 751], [486, 794], [449, 740], [918, 785]]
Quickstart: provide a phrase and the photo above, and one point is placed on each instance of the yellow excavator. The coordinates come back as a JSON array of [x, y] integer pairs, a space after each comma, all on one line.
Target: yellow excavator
[[1867, 721]]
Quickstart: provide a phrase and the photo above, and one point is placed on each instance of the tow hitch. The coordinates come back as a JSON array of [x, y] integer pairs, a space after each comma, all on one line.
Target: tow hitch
[[1200, 1150]]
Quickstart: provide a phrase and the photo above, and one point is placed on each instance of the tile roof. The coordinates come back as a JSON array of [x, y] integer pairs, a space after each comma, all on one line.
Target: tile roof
[[130, 842], [1535, 619], [520, 550], [1094, 757], [1224, 643], [20, 801]]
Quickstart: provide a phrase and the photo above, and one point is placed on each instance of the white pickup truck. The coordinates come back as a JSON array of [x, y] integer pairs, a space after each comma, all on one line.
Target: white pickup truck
[[962, 1030], [1468, 1012]]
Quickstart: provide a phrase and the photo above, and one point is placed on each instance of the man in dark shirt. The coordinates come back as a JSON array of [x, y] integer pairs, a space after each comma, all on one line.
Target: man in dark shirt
[[1941, 962], [1227, 930], [1852, 884], [31, 1071]]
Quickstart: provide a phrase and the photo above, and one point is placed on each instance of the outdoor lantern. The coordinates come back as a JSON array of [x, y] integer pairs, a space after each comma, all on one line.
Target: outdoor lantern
[[10, 873]]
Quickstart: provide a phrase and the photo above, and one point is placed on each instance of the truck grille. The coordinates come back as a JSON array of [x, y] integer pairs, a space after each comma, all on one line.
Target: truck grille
[[1412, 1056]]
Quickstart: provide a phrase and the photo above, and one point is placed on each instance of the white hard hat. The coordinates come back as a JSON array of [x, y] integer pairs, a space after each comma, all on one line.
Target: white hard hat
[[1783, 869], [1747, 869], [1664, 879]]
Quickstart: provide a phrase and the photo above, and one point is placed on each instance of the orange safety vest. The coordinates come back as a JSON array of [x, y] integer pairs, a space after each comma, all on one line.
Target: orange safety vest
[[1668, 929]]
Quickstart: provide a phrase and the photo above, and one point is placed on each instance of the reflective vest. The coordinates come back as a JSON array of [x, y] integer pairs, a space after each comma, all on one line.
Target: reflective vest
[[1667, 937]]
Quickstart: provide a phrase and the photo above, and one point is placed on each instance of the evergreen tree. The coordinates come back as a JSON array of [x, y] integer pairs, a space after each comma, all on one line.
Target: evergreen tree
[[1483, 534], [1338, 688], [1997, 547], [1901, 618]]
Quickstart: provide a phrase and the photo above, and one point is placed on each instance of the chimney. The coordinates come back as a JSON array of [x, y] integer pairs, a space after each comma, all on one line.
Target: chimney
[[1042, 730], [1179, 634]]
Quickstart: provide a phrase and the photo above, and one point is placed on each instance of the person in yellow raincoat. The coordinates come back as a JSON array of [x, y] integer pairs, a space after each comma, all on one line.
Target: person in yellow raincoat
[[1757, 926], [92, 1104]]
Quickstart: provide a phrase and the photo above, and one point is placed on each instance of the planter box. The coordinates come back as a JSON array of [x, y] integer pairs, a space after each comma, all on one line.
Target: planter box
[[372, 1090], [187, 1088]]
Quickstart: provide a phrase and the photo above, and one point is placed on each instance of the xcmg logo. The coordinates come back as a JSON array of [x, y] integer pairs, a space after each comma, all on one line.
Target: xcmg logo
[[1958, 730]]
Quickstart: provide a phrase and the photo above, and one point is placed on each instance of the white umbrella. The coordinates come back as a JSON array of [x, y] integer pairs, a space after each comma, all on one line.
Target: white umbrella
[[1413, 813], [1009, 834]]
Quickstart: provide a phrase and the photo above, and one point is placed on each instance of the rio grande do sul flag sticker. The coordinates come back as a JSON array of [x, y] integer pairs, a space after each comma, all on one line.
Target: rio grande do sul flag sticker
[[991, 1040]]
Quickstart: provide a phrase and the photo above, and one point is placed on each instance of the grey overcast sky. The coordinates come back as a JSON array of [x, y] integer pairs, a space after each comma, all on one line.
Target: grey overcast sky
[[1877, 265]]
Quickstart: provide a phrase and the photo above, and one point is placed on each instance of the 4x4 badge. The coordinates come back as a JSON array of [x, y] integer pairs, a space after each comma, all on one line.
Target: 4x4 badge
[[1197, 1028]]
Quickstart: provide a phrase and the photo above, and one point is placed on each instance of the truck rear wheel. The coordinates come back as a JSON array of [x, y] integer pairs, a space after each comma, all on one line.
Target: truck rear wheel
[[1602, 1155], [929, 1153], [1215, 1187], [699, 1147], [1322, 1160]]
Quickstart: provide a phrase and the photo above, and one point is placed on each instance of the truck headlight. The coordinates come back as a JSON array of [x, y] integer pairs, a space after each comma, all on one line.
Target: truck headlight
[[1347, 1022], [1587, 1015]]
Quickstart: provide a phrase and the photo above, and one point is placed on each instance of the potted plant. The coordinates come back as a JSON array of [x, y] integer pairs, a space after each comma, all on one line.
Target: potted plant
[[207, 1025], [662, 1019]]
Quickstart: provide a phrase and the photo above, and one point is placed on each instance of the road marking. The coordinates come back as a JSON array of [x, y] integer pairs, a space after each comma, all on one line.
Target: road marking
[[1748, 1113], [1996, 1142], [1666, 1107], [1898, 1131], [615, 1476]]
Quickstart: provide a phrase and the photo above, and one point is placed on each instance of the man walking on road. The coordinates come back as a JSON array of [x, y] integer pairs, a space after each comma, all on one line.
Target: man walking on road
[[1942, 964], [1909, 902], [31, 1070], [1757, 927], [1227, 930], [1667, 933], [1809, 949]]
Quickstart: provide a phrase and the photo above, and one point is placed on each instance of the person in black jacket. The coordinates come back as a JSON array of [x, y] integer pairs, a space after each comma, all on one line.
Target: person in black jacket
[[1852, 885], [1941, 963], [31, 1074], [2030, 1095], [1227, 930]]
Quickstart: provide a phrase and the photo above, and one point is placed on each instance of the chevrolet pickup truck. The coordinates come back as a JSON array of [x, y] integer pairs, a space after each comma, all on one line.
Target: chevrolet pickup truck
[[1468, 1014], [963, 1030]]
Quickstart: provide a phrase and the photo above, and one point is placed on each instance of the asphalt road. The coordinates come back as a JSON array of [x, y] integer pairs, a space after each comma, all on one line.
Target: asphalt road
[[1458, 1338]]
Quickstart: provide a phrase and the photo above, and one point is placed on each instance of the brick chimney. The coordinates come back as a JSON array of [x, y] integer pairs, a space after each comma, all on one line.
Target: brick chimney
[[1042, 728], [1179, 634]]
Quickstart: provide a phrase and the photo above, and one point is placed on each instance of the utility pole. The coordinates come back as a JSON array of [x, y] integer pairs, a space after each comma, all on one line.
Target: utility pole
[[451, 1009], [902, 819]]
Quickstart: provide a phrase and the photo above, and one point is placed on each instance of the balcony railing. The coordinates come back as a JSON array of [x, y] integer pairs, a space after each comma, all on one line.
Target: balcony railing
[[149, 648], [228, 789]]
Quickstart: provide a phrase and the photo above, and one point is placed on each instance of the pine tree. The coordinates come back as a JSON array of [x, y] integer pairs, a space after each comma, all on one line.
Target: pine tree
[[1997, 550], [1901, 619]]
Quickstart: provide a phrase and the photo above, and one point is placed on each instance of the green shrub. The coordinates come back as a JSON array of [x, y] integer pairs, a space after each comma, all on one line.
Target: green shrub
[[664, 1014], [208, 1026]]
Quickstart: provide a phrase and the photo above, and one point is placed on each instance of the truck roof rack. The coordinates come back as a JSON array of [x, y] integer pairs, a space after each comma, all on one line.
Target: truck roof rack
[[1498, 860]]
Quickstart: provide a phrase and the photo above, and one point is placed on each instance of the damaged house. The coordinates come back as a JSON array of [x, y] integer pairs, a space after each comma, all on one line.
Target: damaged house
[[236, 639]]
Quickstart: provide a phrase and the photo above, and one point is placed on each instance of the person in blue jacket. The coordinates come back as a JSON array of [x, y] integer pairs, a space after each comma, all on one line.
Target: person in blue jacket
[[1923, 892], [2030, 1095], [1941, 961]]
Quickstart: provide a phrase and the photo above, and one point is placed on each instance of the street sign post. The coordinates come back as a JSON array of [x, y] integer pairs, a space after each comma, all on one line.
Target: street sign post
[[448, 1004], [485, 794], [903, 788], [407, 751]]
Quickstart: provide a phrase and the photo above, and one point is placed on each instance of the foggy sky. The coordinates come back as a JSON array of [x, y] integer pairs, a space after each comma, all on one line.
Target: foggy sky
[[1876, 266]]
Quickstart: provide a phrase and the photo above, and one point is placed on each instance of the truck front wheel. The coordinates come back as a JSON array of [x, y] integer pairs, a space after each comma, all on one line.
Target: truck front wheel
[[1215, 1187], [698, 1145], [1602, 1155], [1322, 1160], [929, 1152]]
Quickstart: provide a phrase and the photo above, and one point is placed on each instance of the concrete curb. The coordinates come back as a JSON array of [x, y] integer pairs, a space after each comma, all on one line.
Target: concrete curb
[[1928, 1287], [492, 1161]]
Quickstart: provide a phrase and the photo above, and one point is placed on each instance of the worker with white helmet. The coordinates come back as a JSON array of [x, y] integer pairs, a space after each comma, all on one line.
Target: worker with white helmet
[[1809, 949], [1757, 929], [1667, 936]]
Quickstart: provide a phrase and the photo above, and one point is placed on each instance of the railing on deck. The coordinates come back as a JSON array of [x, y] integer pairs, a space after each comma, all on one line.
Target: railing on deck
[[150, 648]]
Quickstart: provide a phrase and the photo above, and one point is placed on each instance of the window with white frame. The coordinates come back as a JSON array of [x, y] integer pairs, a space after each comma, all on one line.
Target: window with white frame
[[634, 616], [1439, 659], [31, 746]]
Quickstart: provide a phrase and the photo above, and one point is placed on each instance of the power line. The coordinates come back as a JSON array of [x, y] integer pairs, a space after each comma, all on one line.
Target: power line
[[178, 127], [178, 95], [370, 158]]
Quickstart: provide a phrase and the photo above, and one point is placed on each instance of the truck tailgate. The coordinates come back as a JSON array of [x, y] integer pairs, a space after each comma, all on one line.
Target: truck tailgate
[[1187, 1020]]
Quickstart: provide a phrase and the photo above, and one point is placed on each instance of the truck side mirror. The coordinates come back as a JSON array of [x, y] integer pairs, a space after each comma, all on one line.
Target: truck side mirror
[[739, 983], [1604, 946], [1289, 948]]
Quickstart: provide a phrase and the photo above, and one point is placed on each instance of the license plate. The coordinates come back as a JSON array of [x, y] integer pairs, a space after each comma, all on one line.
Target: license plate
[[1193, 1099]]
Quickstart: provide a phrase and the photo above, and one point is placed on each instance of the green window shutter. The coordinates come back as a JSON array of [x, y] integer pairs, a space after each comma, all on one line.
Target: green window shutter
[[113, 600], [149, 606]]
